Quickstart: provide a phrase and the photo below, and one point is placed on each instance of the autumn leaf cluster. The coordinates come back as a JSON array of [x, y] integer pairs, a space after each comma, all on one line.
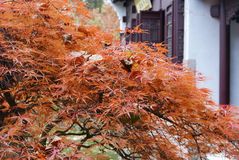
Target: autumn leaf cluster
[[66, 89]]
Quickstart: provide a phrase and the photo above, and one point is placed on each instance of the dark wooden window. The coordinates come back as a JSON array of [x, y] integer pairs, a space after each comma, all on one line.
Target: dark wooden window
[[178, 30], [152, 23], [169, 30], [162, 26], [174, 29], [152, 27]]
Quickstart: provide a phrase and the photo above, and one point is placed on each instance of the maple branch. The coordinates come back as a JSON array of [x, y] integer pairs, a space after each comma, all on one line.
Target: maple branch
[[2, 117], [160, 115], [123, 154], [11, 101], [194, 135], [66, 130], [47, 129], [88, 136], [198, 147], [71, 134], [87, 133]]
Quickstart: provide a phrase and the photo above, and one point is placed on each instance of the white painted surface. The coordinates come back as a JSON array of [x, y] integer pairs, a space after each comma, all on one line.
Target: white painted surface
[[121, 12], [234, 64], [201, 42], [217, 157], [156, 5]]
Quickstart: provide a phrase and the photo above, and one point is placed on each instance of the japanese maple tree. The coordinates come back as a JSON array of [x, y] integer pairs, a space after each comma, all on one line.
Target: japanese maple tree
[[66, 89]]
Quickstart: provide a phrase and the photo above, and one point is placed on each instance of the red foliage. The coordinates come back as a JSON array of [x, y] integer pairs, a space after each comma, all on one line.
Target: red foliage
[[60, 80]]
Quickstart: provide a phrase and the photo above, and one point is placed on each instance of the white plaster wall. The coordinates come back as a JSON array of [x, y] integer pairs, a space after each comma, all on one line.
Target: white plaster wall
[[201, 42], [156, 5], [217, 157], [121, 11], [234, 64]]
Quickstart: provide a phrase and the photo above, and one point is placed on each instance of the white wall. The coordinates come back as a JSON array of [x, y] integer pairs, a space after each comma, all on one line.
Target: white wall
[[234, 62], [201, 42], [121, 11], [156, 5]]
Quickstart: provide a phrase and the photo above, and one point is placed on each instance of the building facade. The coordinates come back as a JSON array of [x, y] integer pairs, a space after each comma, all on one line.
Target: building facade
[[203, 34]]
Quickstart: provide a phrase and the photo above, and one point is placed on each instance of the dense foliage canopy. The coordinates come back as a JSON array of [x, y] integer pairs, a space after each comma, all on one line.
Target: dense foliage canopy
[[67, 90]]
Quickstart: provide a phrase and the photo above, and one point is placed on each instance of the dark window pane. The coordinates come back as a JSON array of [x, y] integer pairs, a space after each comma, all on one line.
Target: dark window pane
[[169, 18], [169, 34], [152, 27], [169, 30], [170, 48]]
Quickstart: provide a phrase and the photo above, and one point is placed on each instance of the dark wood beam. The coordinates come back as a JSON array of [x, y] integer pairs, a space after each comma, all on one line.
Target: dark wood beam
[[224, 56]]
